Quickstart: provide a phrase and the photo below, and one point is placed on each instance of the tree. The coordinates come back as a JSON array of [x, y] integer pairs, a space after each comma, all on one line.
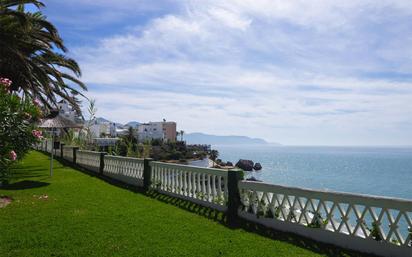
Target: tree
[[181, 135], [213, 155], [86, 138], [130, 136], [32, 55]]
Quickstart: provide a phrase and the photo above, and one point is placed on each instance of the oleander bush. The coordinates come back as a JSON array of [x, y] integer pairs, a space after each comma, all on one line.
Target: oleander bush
[[17, 127]]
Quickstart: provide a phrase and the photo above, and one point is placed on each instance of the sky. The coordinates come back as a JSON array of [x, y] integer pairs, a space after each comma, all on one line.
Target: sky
[[296, 72]]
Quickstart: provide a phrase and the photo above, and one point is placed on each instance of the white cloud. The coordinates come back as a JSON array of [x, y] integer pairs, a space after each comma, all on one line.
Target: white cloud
[[300, 72]]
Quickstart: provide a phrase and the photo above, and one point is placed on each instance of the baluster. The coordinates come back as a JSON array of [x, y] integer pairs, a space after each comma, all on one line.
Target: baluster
[[207, 182], [193, 182], [225, 193], [219, 186], [213, 187], [163, 171], [189, 184], [185, 183], [154, 176], [198, 188], [173, 176], [168, 179], [203, 186], [181, 182], [165, 178], [174, 180], [181, 187]]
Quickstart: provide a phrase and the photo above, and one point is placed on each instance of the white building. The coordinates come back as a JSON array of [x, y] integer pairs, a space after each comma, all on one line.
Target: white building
[[157, 130], [99, 129], [66, 111], [150, 131]]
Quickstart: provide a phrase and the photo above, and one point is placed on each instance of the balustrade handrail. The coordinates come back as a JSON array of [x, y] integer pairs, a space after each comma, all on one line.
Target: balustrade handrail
[[343, 197], [212, 171], [69, 146], [88, 152], [123, 158]]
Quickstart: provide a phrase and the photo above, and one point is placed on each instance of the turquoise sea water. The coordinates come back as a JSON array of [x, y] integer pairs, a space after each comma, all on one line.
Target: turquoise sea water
[[375, 171]]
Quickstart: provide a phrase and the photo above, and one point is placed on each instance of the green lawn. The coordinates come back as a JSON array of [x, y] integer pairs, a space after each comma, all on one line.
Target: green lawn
[[86, 216]]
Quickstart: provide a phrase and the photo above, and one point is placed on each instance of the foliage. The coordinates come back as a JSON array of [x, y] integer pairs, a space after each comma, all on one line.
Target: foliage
[[32, 55], [84, 138], [374, 231], [270, 214], [213, 154], [317, 221], [156, 149], [17, 129], [180, 133]]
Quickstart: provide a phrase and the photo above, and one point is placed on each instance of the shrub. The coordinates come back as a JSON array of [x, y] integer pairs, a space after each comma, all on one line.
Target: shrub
[[317, 221], [375, 233], [17, 130]]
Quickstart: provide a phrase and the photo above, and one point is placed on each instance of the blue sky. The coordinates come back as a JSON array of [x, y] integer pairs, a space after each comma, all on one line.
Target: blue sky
[[295, 72]]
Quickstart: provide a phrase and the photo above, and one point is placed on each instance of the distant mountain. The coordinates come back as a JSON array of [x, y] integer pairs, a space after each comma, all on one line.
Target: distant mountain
[[102, 120], [200, 138], [132, 124]]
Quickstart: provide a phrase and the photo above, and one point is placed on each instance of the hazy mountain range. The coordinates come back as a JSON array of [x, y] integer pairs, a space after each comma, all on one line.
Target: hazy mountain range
[[202, 138]]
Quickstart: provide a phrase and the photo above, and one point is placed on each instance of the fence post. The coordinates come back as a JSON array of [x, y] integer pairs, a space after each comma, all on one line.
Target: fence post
[[102, 154], [147, 174], [233, 177], [61, 150], [75, 154], [45, 146]]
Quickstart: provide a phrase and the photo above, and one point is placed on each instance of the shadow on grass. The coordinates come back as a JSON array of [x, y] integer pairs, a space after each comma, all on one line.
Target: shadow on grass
[[297, 240], [24, 184], [209, 213]]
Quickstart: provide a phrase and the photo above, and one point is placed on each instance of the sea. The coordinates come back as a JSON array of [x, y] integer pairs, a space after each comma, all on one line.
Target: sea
[[381, 171]]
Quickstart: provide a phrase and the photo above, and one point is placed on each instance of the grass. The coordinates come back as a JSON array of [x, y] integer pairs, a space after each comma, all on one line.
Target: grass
[[86, 216]]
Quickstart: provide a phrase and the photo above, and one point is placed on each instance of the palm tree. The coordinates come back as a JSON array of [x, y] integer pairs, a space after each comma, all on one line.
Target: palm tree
[[181, 135], [213, 155], [32, 55]]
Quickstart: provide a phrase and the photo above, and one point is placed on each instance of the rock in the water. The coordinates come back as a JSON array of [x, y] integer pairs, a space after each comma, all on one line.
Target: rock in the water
[[257, 166], [229, 164], [246, 165], [253, 179]]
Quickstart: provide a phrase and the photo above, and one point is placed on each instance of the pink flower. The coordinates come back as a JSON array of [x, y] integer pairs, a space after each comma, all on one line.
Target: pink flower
[[36, 102], [13, 155], [37, 134], [6, 82]]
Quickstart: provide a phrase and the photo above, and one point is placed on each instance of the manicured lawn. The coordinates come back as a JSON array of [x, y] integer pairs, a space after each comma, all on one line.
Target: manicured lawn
[[85, 216]]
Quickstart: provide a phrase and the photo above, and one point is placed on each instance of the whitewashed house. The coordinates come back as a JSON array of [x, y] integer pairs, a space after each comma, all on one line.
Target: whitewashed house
[[162, 130], [67, 112]]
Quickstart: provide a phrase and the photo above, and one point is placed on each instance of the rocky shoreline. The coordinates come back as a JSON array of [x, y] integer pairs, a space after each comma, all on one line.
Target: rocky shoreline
[[246, 165]]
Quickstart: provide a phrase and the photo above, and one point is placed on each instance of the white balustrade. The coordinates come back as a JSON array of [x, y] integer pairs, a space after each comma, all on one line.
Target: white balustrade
[[88, 159], [125, 169], [375, 224], [68, 153], [49, 145], [204, 186]]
